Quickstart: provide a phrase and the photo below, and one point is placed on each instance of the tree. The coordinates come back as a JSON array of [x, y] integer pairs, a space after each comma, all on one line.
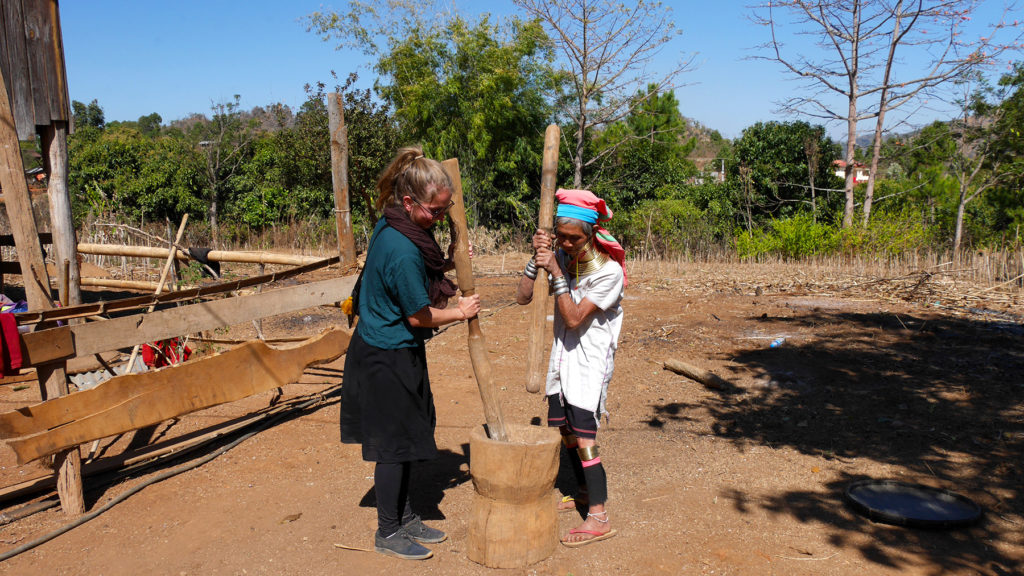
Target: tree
[[150, 124], [649, 158], [224, 141], [473, 90], [607, 47], [90, 114], [771, 160], [866, 41]]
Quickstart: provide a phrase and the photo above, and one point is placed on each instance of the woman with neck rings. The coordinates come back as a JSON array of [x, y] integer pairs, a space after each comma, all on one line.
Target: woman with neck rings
[[386, 402], [587, 276]]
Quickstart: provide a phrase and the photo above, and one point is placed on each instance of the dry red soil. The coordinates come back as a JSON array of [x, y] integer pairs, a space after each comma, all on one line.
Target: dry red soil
[[747, 480]]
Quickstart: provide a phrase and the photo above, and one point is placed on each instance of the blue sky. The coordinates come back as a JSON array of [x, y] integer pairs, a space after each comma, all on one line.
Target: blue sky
[[178, 57]]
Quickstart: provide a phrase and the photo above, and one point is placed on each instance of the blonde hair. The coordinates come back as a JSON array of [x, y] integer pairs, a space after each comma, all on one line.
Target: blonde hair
[[411, 174]]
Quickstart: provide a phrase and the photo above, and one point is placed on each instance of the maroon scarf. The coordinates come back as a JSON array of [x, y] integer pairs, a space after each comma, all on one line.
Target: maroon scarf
[[439, 288]]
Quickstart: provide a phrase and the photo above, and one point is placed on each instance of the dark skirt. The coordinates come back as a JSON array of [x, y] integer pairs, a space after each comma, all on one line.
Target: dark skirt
[[386, 403]]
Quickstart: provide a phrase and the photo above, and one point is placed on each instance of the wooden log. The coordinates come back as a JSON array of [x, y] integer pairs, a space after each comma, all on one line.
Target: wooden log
[[174, 391], [464, 272], [55, 149], [513, 521], [339, 178], [536, 367], [126, 331], [214, 255], [52, 379], [706, 378]]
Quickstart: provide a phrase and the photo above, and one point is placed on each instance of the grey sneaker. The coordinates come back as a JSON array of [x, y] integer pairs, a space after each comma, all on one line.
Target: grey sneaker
[[420, 532], [400, 545]]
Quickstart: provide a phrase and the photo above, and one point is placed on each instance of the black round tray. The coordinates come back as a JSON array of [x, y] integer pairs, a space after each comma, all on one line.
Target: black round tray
[[912, 505]]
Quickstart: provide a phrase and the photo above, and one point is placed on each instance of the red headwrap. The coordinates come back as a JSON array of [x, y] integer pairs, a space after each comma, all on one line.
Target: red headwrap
[[605, 241]]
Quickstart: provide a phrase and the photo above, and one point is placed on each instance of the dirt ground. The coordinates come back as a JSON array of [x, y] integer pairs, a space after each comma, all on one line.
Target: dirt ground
[[746, 480]]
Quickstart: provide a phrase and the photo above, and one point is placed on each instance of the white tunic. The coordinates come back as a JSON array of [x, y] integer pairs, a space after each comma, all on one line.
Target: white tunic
[[582, 360]]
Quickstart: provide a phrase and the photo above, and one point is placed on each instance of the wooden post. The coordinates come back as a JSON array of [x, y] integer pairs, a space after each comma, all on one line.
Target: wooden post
[[52, 378], [536, 368], [477, 346], [55, 150], [339, 177]]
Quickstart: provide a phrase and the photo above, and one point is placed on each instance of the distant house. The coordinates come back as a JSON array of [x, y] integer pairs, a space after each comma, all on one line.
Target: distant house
[[860, 174]]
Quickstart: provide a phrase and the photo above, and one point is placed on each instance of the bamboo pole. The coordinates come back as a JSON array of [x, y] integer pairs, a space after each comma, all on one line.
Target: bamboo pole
[[159, 287], [339, 178], [124, 284], [213, 256], [477, 346], [536, 368]]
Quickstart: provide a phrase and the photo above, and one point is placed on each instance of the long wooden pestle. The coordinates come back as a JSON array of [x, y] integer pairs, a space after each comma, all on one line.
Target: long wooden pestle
[[536, 368], [477, 346]]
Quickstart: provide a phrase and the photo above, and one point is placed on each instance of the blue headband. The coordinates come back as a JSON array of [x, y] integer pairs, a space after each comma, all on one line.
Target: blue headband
[[587, 215]]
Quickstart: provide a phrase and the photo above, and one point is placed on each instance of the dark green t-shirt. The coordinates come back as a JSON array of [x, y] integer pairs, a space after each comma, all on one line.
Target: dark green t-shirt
[[394, 287]]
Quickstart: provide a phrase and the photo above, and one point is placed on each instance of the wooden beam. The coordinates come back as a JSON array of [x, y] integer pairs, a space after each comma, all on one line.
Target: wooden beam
[[127, 331], [339, 178], [8, 239], [536, 367], [174, 391], [476, 343], [191, 293]]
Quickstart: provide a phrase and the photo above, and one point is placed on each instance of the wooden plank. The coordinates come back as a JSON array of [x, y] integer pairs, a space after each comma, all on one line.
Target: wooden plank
[[193, 293], [37, 35], [56, 73], [46, 346], [19, 89], [238, 373], [126, 331], [477, 345], [56, 412], [339, 178], [536, 367], [19, 206]]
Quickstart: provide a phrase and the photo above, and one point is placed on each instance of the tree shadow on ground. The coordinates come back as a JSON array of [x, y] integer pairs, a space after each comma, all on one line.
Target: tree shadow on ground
[[941, 397]]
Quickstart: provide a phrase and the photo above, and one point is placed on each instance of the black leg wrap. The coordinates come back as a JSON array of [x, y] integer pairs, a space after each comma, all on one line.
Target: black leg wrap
[[597, 483], [577, 467]]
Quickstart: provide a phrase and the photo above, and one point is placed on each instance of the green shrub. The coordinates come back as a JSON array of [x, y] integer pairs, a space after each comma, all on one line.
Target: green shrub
[[792, 238], [888, 234], [664, 228]]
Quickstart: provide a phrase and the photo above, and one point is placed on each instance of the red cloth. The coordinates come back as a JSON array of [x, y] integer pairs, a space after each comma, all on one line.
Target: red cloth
[[603, 238], [10, 345], [165, 353]]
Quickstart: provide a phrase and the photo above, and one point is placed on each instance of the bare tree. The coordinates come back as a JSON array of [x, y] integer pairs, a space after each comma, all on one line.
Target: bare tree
[[812, 149], [608, 47], [224, 141], [866, 44], [977, 162]]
